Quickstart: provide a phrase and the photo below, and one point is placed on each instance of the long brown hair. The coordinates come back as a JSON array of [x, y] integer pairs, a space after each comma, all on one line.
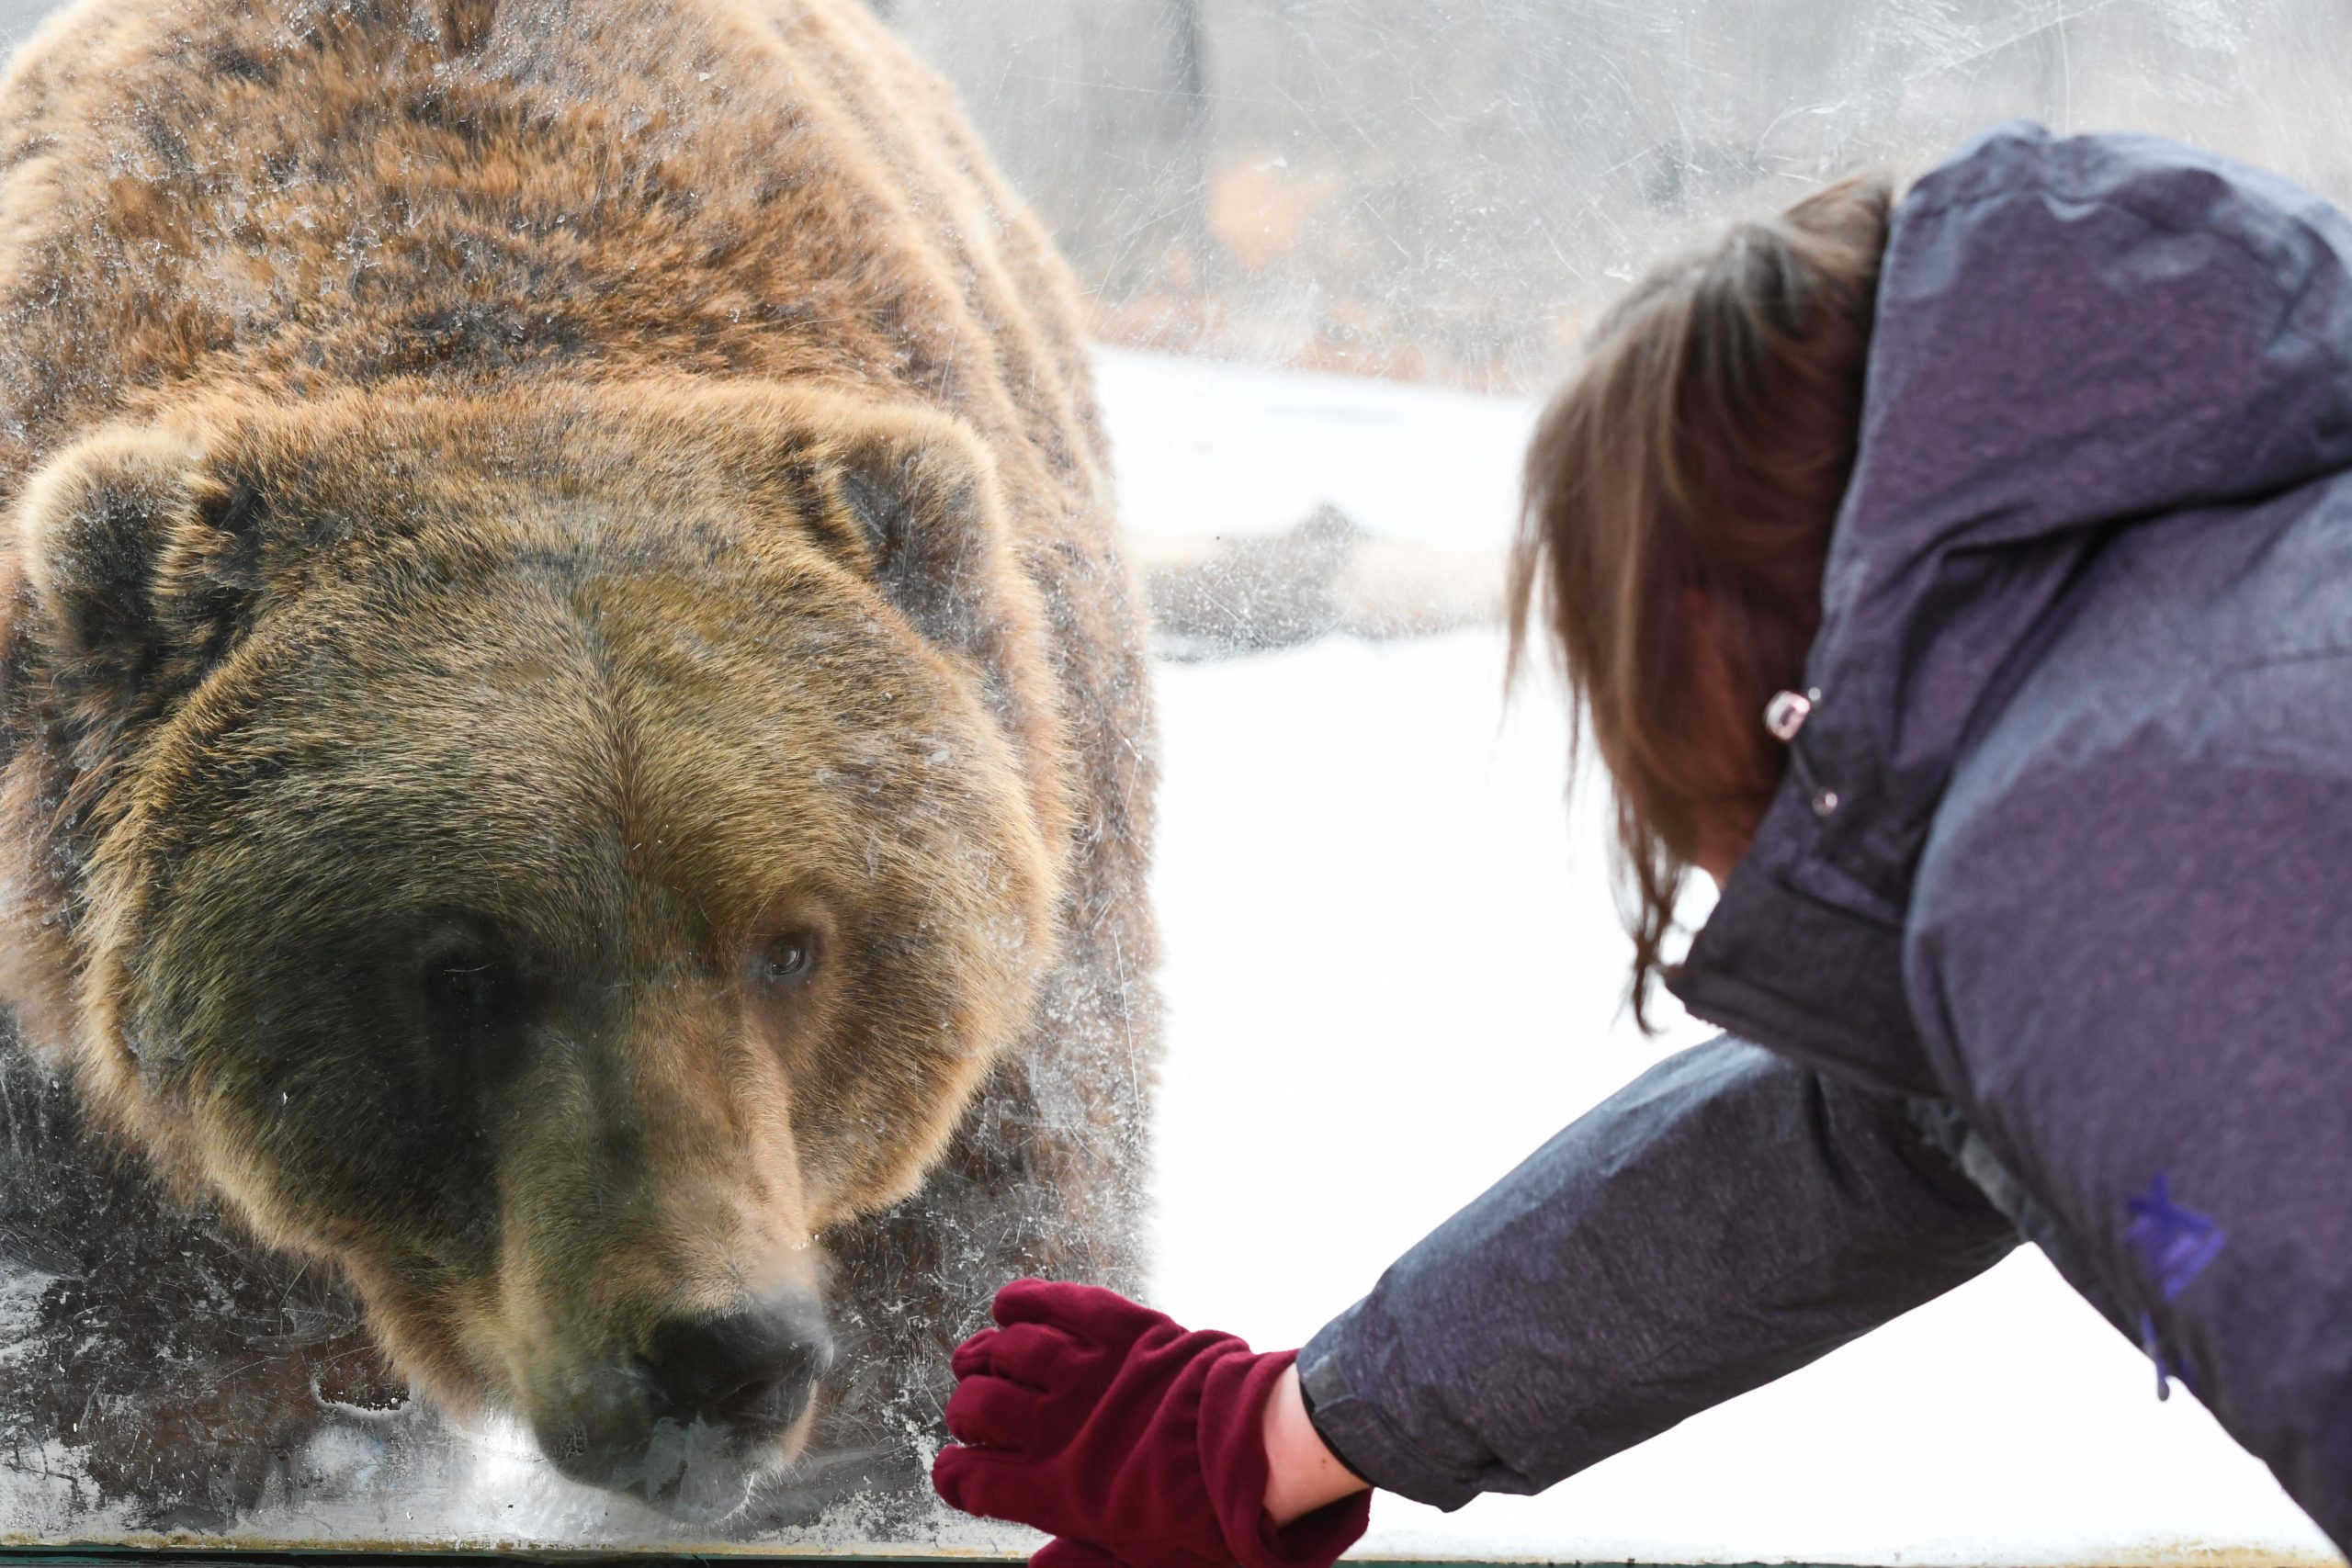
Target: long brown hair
[[1680, 492]]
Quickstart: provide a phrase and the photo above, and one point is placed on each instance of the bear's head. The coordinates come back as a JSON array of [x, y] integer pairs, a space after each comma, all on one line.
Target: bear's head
[[550, 864]]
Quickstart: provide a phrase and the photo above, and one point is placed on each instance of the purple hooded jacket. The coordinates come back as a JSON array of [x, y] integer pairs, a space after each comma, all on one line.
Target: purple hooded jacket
[[2049, 928]]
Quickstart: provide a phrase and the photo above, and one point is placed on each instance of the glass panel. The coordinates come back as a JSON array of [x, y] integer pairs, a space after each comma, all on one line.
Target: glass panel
[[528, 816]]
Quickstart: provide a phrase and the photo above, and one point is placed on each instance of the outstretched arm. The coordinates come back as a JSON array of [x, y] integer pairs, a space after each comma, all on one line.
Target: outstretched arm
[[1722, 1219]]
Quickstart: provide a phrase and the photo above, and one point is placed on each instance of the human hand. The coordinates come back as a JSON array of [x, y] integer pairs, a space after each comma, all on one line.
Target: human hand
[[1108, 1424]]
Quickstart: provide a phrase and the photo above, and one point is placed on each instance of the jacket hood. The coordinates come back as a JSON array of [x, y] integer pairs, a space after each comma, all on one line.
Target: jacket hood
[[2072, 336]]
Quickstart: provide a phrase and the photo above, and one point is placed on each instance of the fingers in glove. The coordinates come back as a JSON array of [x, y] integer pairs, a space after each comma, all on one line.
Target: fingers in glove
[[993, 1484], [995, 1414], [1087, 1312], [972, 1355], [1047, 1301], [1035, 1355]]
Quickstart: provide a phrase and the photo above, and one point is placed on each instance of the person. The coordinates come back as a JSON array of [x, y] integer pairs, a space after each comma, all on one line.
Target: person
[[1964, 582]]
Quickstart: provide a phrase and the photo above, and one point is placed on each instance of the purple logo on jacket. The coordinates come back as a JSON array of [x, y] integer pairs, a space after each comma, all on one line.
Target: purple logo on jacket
[[2177, 1242]]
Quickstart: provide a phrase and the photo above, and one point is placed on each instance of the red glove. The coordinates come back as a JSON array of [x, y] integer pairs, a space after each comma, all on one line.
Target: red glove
[[1095, 1418], [1063, 1552]]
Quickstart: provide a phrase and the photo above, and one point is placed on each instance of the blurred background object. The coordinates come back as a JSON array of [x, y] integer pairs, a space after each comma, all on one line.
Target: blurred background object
[[1215, 596], [1446, 191]]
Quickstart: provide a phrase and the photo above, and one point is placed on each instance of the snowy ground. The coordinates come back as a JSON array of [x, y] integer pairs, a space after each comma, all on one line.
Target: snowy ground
[[1393, 971]]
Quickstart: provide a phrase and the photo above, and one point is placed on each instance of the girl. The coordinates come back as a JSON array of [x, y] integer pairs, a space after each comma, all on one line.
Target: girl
[[1966, 586]]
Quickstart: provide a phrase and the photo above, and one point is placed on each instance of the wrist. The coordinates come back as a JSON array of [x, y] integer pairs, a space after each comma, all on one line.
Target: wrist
[[1302, 1473]]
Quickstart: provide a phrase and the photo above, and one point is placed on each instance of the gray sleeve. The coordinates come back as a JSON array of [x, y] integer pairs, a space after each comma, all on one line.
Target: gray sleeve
[[1724, 1219]]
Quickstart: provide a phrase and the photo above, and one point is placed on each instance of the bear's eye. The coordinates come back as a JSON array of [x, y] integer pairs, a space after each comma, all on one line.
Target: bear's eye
[[786, 960], [471, 990]]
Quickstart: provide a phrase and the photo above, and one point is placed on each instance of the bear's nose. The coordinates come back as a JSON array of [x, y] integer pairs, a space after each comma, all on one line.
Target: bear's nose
[[755, 1367]]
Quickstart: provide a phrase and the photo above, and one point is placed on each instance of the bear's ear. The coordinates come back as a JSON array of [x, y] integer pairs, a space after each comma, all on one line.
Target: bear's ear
[[141, 565], [927, 524], [909, 500]]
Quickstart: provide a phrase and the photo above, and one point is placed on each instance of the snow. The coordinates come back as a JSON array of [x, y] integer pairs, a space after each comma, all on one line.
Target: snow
[[1393, 971], [1204, 447]]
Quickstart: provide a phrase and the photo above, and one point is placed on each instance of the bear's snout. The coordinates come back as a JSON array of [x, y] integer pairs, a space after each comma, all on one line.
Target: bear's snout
[[707, 1408], [748, 1369]]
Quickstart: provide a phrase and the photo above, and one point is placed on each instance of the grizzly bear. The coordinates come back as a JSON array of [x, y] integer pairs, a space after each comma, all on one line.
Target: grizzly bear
[[575, 756]]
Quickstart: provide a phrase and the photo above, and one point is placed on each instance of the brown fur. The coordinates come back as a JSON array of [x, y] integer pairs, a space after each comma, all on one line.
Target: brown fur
[[607, 485]]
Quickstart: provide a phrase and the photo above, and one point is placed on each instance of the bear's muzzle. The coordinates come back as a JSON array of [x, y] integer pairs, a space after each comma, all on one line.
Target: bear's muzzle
[[709, 1406]]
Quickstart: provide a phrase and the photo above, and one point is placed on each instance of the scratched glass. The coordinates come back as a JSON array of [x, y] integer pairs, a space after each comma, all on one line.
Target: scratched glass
[[1328, 253]]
